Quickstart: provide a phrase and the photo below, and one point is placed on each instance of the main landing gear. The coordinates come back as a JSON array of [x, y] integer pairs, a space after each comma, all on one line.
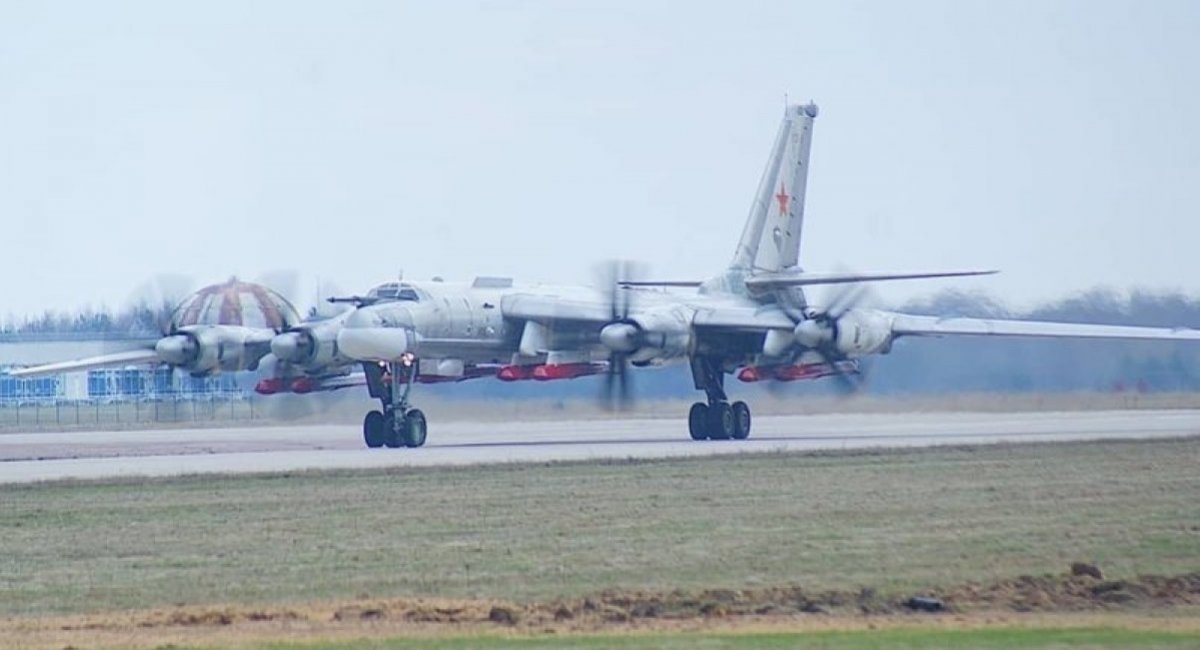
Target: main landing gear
[[717, 419], [398, 424]]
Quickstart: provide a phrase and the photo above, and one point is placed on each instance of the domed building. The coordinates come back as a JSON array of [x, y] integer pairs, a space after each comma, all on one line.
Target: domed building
[[236, 303]]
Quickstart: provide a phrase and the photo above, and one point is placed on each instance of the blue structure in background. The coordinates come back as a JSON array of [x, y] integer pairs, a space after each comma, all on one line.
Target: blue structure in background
[[159, 383], [42, 389], [127, 384]]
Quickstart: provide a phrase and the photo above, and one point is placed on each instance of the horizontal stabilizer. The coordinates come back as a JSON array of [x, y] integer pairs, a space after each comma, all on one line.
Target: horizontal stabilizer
[[116, 359], [804, 278], [660, 283]]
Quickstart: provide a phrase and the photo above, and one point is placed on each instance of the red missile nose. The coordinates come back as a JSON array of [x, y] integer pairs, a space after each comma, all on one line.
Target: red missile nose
[[512, 373], [269, 386], [303, 385], [749, 374]]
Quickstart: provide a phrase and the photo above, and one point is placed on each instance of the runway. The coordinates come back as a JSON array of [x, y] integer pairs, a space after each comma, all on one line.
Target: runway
[[29, 457]]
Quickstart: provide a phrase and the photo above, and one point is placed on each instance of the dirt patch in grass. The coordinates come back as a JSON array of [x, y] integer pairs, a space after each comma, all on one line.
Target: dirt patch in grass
[[1148, 599]]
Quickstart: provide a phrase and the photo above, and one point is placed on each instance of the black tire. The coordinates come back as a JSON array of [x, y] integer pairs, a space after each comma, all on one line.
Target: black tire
[[720, 421], [741, 420], [391, 437], [698, 421], [373, 429], [415, 429]]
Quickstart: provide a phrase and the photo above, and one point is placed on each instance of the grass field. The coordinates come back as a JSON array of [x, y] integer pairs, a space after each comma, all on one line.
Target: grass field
[[891, 521], [992, 639], [757, 551]]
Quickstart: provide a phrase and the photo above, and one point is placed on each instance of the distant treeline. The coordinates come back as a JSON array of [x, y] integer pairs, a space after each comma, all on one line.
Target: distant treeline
[[965, 364], [139, 318]]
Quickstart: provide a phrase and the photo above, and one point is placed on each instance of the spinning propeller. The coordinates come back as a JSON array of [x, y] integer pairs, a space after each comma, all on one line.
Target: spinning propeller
[[819, 334], [621, 335]]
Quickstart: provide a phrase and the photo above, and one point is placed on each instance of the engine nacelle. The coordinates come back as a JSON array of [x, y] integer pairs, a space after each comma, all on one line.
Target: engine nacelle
[[205, 349], [856, 333], [861, 332], [652, 335], [311, 346]]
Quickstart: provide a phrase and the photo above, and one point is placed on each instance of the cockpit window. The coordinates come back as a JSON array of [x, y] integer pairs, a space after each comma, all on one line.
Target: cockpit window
[[393, 291]]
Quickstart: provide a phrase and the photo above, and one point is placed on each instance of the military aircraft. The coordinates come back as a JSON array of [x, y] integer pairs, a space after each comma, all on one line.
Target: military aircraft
[[752, 319], [235, 326]]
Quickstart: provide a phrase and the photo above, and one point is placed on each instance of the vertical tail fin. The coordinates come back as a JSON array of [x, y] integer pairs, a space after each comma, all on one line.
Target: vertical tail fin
[[771, 238]]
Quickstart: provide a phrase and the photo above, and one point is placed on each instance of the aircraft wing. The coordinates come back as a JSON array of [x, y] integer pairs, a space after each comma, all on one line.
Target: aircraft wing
[[794, 278], [761, 319], [548, 309], [126, 358], [908, 325], [804, 278]]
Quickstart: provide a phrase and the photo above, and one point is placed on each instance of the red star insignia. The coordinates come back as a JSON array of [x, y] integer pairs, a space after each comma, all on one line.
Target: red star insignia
[[783, 199]]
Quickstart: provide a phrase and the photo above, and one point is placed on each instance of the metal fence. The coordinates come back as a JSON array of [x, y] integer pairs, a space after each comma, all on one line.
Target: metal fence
[[121, 397], [35, 415]]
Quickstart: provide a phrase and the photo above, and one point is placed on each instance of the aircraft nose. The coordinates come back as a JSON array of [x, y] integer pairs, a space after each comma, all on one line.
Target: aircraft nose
[[367, 337]]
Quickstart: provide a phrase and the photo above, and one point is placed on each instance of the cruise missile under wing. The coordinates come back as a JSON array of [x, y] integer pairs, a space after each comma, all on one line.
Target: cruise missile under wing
[[908, 325]]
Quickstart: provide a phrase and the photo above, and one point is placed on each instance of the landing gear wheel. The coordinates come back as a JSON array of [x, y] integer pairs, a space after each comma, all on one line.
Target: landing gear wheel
[[413, 432], [391, 437], [741, 421], [720, 421], [698, 421], [373, 433]]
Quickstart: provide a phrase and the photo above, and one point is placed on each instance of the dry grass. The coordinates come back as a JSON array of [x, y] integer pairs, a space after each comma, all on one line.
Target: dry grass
[[889, 520]]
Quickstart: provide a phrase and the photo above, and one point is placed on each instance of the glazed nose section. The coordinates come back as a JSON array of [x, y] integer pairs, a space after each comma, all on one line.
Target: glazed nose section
[[366, 338]]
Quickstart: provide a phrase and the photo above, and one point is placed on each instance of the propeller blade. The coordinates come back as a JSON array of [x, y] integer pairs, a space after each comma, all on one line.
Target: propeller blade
[[618, 394], [846, 383], [624, 395], [610, 379], [285, 282], [160, 296]]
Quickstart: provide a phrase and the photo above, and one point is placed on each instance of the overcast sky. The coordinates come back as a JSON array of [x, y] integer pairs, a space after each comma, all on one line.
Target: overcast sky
[[1057, 141]]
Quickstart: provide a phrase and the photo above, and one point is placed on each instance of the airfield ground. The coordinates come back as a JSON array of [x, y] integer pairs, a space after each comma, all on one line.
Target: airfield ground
[[348, 407], [762, 550]]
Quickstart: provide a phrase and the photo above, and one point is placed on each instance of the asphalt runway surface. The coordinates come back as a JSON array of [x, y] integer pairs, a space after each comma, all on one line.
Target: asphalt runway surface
[[28, 457]]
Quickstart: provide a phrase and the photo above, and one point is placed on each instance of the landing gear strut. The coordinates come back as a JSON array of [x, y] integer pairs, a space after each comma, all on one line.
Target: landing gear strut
[[717, 419], [398, 424]]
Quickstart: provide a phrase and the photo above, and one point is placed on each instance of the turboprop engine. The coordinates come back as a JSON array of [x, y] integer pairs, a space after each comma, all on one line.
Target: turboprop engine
[[201, 350], [651, 335], [855, 333], [310, 345]]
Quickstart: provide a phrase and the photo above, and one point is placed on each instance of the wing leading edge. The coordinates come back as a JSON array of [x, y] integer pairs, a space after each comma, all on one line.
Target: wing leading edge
[[795, 278], [908, 325], [127, 358]]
